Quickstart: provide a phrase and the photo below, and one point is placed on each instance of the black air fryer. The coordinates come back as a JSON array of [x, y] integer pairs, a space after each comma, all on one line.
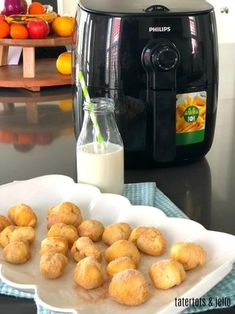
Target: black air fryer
[[159, 61]]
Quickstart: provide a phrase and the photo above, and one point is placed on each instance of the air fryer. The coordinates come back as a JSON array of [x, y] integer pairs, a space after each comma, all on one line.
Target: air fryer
[[158, 60]]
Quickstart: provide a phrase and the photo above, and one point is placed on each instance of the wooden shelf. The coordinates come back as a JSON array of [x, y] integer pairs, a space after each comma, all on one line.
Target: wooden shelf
[[32, 74], [46, 74], [49, 41]]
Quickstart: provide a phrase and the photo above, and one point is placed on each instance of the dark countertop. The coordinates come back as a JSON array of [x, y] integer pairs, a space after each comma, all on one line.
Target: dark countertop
[[204, 190]]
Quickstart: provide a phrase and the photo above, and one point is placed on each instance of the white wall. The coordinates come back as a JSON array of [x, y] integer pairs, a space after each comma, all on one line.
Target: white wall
[[226, 38], [225, 22], [70, 7], [1, 5]]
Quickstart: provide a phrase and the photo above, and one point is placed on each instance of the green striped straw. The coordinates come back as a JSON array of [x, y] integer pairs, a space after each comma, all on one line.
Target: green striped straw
[[99, 136]]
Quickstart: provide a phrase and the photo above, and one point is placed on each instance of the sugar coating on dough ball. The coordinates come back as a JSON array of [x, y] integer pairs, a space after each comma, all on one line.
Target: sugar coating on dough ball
[[129, 287], [122, 248], [115, 232], [65, 212], [190, 255], [88, 273], [136, 232], [69, 232], [54, 244], [166, 274], [120, 264], [22, 215], [5, 235], [151, 242], [84, 247], [4, 222], [52, 265], [91, 228], [17, 252], [25, 234]]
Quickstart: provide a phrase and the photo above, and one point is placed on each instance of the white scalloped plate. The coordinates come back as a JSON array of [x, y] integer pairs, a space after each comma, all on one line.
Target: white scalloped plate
[[62, 294]]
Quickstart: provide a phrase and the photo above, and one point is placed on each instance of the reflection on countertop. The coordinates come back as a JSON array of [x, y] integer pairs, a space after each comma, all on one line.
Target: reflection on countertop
[[204, 190], [34, 130], [189, 187], [39, 139], [221, 159]]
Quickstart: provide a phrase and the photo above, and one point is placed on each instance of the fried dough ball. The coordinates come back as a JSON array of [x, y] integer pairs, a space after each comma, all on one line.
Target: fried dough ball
[[22, 215], [66, 212], [115, 232], [69, 232], [122, 248], [4, 222], [52, 265], [92, 229], [166, 274], [17, 252], [135, 233], [129, 287], [25, 234], [88, 273], [6, 234], [120, 264], [84, 247], [190, 255], [151, 242], [54, 244]]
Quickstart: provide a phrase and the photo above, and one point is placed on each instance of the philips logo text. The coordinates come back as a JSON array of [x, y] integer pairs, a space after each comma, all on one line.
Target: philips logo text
[[159, 29]]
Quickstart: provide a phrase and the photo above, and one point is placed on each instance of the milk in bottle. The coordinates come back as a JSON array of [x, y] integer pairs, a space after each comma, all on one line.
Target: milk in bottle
[[100, 154]]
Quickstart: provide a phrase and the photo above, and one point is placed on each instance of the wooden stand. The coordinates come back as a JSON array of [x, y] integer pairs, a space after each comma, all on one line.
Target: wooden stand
[[3, 55], [33, 74]]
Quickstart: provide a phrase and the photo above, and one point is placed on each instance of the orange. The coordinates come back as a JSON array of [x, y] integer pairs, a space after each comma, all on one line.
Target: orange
[[64, 63], [66, 105], [24, 138], [66, 131], [2, 17], [7, 137], [63, 26], [18, 31], [36, 8], [4, 29]]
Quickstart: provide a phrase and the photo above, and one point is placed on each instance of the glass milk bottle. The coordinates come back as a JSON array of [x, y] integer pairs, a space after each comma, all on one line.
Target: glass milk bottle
[[100, 155]]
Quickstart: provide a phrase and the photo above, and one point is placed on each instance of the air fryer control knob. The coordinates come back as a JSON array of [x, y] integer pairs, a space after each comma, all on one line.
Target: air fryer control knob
[[165, 57]]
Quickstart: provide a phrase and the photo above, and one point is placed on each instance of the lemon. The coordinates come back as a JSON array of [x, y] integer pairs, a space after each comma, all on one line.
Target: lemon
[[64, 63], [63, 26]]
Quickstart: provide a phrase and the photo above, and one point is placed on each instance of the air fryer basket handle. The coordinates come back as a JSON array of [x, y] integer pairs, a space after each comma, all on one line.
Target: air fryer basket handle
[[164, 111], [160, 59]]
